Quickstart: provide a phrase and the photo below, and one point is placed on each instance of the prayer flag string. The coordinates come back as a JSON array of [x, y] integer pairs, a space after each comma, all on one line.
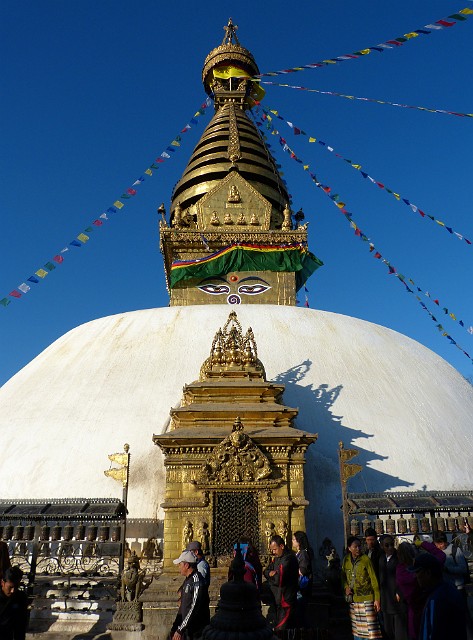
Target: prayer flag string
[[84, 236], [392, 104], [337, 201], [427, 29], [269, 114]]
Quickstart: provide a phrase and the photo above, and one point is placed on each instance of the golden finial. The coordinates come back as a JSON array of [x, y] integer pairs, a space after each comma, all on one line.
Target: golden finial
[[230, 33]]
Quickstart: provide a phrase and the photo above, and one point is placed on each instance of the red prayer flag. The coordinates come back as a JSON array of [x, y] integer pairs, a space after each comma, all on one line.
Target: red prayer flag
[[58, 259], [377, 255], [98, 223], [131, 191], [445, 23], [15, 294]]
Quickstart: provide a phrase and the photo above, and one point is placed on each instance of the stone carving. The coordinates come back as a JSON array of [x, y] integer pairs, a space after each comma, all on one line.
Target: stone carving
[[187, 534], [127, 617], [132, 580], [236, 459]]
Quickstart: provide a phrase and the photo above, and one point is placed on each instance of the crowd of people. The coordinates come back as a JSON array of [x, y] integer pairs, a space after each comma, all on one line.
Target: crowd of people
[[407, 591], [413, 592]]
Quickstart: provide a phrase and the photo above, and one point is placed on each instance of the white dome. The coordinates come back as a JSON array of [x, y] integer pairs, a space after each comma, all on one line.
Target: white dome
[[115, 379]]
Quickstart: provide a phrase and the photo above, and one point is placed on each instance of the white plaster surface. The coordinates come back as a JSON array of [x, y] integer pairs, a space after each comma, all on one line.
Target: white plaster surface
[[115, 379]]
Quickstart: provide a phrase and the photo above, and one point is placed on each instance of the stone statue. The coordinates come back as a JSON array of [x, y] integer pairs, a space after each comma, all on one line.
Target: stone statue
[[132, 580], [187, 534]]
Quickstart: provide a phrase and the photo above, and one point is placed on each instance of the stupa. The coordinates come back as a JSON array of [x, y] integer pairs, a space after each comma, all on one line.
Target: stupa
[[232, 242]]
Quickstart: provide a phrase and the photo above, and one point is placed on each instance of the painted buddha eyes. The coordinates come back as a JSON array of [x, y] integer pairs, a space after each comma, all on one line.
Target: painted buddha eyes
[[250, 286], [253, 289], [215, 289]]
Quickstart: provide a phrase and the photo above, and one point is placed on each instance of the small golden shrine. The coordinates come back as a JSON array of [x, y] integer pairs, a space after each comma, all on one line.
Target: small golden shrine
[[233, 459]]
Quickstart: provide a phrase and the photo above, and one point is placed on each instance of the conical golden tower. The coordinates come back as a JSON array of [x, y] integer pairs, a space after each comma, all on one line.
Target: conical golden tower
[[231, 236]]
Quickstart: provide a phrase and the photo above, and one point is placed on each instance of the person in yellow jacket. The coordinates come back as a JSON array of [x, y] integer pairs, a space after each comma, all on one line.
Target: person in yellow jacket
[[361, 590]]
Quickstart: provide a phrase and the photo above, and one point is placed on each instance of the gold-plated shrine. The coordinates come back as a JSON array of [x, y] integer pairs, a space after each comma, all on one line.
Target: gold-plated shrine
[[232, 449], [231, 195]]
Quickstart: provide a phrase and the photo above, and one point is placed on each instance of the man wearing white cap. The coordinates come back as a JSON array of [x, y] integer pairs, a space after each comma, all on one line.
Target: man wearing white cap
[[194, 613]]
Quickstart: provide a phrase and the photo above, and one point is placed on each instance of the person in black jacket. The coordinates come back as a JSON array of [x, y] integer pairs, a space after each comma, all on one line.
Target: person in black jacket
[[13, 606], [282, 575], [393, 609], [373, 549], [194, 612]]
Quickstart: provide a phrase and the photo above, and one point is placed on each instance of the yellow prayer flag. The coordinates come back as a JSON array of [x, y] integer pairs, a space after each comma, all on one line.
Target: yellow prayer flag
[[411, 35], [340, 205], [442, 224], [175, 143], [312, 139], [364, 52], [397, 196], [306, 166], [452, 315], [82, 237], [466, 11], [357, 166], [118, 204], [329, 61], [275, 112], [149, 172], [41, 273], [230, 72]]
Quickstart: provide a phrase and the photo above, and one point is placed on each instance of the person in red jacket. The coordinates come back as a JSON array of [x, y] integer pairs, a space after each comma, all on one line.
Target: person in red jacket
[[282, 575]]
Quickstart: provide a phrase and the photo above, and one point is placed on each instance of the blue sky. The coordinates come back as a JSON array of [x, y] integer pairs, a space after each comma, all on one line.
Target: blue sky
[[94, 91]]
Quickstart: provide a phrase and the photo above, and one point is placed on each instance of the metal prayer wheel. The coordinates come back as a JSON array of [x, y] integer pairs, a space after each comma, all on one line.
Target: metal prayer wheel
[[402, 525], [29, 532], [18, 532], [91, 533], [45, 532], [104, 532], [355, 527], [390, 526], [451, 524], [8, 532], [115, 535], [56, 533], [425, 524], [366, 523], [379, 526], [68, 532], [413, 525], [80, 532], [440, 524]]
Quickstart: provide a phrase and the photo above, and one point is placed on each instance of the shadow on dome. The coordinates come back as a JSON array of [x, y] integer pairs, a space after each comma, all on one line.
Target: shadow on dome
[[322, 474]]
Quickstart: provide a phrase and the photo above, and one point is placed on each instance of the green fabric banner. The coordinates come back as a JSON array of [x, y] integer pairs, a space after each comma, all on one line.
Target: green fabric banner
[[239, 258]]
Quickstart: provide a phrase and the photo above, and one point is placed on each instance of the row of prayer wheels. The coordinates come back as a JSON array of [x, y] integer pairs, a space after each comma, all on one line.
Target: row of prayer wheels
[[90, 533], [412, 525]]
